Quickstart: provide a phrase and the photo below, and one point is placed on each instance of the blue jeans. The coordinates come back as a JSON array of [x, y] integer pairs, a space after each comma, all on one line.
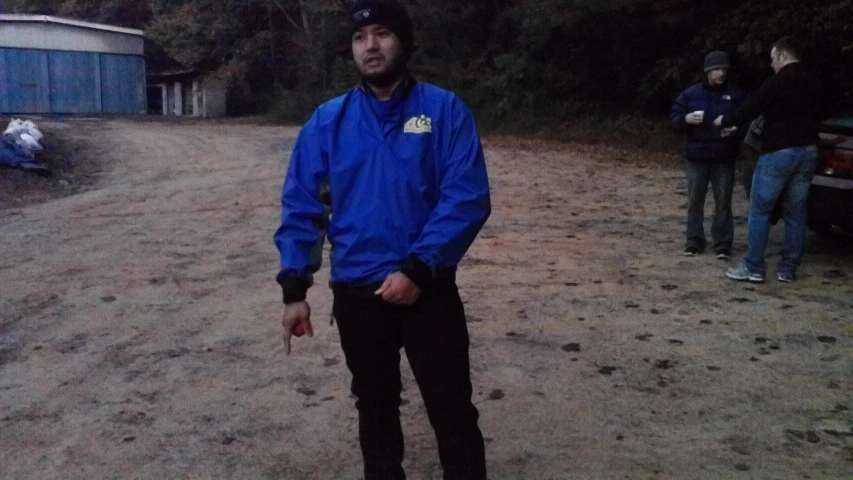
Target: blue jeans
[[721, 177], [784, 174]]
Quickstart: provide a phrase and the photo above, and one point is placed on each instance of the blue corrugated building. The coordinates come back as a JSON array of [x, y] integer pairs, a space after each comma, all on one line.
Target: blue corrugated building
[[56, 65]]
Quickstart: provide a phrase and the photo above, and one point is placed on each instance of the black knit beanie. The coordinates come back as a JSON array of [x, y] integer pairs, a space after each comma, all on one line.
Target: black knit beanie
[[387, 13], [715, 60]]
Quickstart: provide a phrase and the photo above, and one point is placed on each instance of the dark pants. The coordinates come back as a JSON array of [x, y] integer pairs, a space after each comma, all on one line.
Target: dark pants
[[721, 178], [434, 334]]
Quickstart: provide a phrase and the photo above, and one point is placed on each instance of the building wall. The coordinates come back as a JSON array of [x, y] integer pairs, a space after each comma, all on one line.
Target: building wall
[[40, 81], [53, 36], [187, 98], [169, 100], [197, 97], [214, 97]]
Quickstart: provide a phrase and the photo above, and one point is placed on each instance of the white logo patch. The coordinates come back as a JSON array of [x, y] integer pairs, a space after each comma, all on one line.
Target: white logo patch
[[727, 97], [422, 124], [361, 14]]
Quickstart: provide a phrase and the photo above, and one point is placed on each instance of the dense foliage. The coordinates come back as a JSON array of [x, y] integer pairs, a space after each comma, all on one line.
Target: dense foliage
[[525, 62]]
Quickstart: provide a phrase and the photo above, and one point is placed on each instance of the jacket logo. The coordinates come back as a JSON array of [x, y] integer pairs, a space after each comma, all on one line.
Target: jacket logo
[[422, 124], [727, 97]]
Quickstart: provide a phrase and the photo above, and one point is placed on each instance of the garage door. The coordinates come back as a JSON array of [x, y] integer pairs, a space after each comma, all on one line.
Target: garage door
[[24, 81], [122, 84], [74, 82]]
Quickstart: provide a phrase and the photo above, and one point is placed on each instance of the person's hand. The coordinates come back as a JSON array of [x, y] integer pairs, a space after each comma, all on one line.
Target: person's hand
[[296, 322], [693, 118], [398, 288], [719, 121], [728, 131]]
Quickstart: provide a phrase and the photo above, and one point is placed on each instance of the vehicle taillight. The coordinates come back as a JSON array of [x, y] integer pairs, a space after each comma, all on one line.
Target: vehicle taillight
[[836, 152], [838, 163]]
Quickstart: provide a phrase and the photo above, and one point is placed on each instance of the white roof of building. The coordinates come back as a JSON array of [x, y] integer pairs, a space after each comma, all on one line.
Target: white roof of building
[[65, 21]]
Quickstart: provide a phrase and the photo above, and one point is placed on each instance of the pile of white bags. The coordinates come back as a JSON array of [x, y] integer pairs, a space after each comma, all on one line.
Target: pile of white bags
[[19, 145], [26, 134]]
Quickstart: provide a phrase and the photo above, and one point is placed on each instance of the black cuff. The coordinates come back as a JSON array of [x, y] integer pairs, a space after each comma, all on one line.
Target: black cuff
[[294, 289], [417, 271]]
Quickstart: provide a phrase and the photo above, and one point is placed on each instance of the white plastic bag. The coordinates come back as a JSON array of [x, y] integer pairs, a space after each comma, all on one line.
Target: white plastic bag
[[31, 142], [13, 127], [33, 130]]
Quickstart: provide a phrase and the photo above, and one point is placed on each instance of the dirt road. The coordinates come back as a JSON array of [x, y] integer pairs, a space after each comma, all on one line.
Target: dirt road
[[140, 332]]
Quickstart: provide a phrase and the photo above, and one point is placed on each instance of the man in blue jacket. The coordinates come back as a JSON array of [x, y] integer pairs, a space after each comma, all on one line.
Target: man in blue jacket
[[409, 193], [709, 152]]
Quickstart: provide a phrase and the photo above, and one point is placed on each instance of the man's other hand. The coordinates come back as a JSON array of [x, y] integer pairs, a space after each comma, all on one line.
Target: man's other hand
[[397, 288], [296, 322]]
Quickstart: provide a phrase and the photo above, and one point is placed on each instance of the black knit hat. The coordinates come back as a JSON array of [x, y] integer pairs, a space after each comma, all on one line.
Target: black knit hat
[[715, 60], [387, 13]]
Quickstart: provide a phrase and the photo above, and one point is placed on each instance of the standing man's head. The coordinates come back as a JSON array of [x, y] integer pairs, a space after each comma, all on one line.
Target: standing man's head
[[381, 40], [784, 52], [717, 67]]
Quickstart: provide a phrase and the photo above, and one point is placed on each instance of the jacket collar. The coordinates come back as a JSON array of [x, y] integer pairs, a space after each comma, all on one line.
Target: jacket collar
[[789, 67], [715, 88], [404, 88]]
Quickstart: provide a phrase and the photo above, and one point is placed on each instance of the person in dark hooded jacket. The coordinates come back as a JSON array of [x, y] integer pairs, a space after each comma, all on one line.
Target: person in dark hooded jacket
[[709, 153]]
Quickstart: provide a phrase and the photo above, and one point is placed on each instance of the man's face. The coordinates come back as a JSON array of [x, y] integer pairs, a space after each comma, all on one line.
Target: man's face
[[717, 76], [378, 54], [776, 59]]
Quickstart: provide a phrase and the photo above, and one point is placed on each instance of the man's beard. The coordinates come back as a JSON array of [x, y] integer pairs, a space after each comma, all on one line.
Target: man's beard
[[396, 69]]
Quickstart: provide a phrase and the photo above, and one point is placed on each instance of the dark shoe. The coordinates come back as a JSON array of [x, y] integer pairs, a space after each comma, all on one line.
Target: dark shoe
[[786, 277], [691, 251], [723, 254]]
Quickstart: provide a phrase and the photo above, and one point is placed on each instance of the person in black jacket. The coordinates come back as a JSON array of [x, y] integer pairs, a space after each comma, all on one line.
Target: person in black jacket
[[709, 153], [789, 102]]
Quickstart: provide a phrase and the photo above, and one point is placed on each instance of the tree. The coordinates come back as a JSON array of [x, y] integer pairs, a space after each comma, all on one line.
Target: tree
[[535, 61]]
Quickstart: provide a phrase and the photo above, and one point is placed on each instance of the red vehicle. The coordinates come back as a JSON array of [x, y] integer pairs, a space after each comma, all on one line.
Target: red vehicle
[[830, 203]]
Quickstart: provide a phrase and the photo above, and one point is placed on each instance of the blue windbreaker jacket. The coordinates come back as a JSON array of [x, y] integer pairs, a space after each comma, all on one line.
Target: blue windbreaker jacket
[[407, 180], [704, 143]]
